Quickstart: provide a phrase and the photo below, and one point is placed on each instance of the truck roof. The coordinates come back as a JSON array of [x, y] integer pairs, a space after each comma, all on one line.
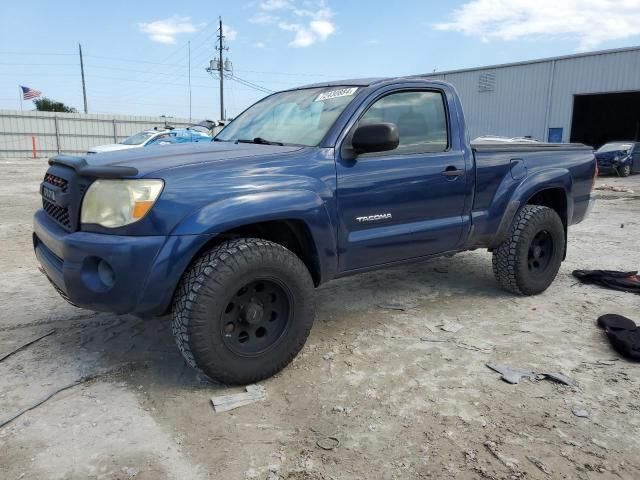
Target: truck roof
[[366, 82], [355, 82]]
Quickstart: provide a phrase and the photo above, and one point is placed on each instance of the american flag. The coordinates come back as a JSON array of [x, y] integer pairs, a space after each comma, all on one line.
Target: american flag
[[29, 93]]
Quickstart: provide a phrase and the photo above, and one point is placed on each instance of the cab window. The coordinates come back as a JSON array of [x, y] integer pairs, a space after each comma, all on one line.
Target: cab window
[[420, 117]]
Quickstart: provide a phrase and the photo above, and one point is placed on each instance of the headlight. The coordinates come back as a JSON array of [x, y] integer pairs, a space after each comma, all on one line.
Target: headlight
[[115, 203]]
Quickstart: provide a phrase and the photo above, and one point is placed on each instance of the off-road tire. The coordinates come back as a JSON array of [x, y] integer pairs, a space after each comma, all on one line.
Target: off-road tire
[[202, 296], [511, 259], [625, 171]]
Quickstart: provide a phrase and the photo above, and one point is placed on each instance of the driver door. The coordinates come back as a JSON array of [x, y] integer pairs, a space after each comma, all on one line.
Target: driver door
[[408, 202]]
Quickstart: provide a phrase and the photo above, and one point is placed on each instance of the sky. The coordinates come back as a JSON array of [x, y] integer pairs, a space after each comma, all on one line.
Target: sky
[[136, 52]]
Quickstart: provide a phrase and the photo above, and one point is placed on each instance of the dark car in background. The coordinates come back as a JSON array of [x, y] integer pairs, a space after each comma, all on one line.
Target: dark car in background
[[620, 158]]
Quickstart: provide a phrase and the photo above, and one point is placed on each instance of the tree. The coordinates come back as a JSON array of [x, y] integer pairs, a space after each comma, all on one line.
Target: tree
[[45, 104]]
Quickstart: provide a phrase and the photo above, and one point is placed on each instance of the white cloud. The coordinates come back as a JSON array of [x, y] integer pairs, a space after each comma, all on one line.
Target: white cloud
[[317, 28], [304, 37], [259, 45], [322, 28], [165, 31], [590, 22], [275, 4], [262, 18], [309, 20], [229, 32]]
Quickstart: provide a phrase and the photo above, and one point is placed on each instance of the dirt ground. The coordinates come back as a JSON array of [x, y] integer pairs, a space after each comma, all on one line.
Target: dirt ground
[[401, 397]]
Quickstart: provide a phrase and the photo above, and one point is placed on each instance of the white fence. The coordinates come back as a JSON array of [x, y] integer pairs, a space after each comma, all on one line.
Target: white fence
[[44, 134]]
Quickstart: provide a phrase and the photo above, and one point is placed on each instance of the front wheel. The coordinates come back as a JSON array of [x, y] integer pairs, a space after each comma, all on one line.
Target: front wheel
[[243, 310], [625, 171], [528, 261]]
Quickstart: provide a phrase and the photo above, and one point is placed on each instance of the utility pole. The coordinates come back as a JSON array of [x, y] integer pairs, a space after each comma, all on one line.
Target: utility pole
[[84, 87], [189, 81], [220, 48], [219, 65]]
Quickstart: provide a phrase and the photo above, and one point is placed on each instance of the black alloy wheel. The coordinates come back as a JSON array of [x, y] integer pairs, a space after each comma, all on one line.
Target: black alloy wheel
[[256, 317], [540, 252]]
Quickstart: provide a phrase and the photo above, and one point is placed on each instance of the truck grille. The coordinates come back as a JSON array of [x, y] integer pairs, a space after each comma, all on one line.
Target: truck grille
[[59, 214], [56, 181], [63, 206]]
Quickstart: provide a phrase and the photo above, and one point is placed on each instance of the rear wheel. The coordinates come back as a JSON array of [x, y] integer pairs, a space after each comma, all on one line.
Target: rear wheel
[[528, 261], [243, 311]]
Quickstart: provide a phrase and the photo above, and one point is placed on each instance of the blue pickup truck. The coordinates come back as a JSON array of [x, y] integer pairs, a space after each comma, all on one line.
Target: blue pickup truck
[[307, 185]]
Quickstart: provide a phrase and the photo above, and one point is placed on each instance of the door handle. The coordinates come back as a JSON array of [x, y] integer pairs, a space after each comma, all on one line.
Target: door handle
[[452, 172]]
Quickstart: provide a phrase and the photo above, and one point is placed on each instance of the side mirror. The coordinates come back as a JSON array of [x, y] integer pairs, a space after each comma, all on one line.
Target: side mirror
[[376, 137]]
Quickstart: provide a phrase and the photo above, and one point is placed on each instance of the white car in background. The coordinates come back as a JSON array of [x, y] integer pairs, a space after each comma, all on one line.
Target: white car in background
[[147, 138]]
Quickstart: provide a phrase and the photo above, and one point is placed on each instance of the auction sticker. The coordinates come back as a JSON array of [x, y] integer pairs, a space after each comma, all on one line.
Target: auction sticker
[[342, 92]]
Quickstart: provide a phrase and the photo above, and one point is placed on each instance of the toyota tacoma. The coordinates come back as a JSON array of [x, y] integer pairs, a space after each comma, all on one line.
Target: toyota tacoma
[[307, 185]]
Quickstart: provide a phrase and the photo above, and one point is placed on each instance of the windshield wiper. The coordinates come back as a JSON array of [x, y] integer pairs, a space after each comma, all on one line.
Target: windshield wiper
[[260, 141]]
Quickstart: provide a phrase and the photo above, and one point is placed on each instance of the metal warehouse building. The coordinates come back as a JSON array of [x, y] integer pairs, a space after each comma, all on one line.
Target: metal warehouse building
[[590, 98]]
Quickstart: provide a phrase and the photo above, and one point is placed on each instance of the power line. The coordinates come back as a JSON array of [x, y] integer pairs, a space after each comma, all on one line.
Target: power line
[[37, 53], [249, 84], [39, 64]]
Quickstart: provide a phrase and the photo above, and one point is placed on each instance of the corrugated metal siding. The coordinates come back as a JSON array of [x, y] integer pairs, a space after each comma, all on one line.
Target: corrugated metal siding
[[518, 104], [613, 72], [504, 110], [76, 132]]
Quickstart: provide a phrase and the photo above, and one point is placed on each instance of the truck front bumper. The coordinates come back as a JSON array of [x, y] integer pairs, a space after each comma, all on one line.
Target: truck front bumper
[[112, 273]]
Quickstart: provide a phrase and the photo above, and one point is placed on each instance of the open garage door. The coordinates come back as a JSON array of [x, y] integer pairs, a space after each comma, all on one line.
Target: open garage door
[[601, 118]]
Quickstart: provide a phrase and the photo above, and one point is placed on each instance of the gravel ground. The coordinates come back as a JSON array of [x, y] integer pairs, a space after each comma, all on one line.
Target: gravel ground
[[403, 397]]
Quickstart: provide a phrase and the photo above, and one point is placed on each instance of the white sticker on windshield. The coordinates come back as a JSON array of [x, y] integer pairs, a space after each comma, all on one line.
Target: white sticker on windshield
[[342, 92]]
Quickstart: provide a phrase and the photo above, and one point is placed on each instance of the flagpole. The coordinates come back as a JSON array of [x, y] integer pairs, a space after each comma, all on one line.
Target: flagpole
[[20, 96]]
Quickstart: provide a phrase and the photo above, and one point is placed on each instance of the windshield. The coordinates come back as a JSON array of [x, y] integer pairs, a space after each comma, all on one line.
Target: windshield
[[300, 117], [137, 139], [614, 146]]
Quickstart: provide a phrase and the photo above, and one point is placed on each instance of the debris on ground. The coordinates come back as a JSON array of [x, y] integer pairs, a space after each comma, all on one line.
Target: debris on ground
[[451, 327], [613, 188], [623, 333], [559, 377], [510, 374], [328, 443], [580, 412], [434, 339], [514, 375], [614, 279], [25, 345], [476, 346], [397, 306], [224, 403]]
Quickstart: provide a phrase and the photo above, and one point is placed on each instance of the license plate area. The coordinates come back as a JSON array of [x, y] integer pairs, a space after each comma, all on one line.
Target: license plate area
[[49, 194]]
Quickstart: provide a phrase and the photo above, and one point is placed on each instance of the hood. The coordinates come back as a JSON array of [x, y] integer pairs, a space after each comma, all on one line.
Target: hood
[[611, 154], [152, 159], [111, 147]]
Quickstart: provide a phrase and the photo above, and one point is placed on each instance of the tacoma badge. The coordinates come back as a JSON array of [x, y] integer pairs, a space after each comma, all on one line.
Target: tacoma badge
[[374, 218]]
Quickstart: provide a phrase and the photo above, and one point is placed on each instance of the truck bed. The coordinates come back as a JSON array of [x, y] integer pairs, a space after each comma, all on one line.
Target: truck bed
[[504, 167], [497, 146]]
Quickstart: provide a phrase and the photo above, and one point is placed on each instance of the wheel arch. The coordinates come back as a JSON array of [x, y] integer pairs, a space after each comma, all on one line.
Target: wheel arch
[[292, 233]]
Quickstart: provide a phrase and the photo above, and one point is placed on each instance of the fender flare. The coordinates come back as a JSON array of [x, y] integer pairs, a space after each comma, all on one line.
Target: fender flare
[[291, 204], [552, 178]]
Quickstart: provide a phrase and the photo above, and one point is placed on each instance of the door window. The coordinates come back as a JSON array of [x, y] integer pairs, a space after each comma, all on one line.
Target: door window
[[420, 117]]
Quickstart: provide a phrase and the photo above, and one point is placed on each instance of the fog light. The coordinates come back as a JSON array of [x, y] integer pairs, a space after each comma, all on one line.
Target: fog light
[[106, 274]]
